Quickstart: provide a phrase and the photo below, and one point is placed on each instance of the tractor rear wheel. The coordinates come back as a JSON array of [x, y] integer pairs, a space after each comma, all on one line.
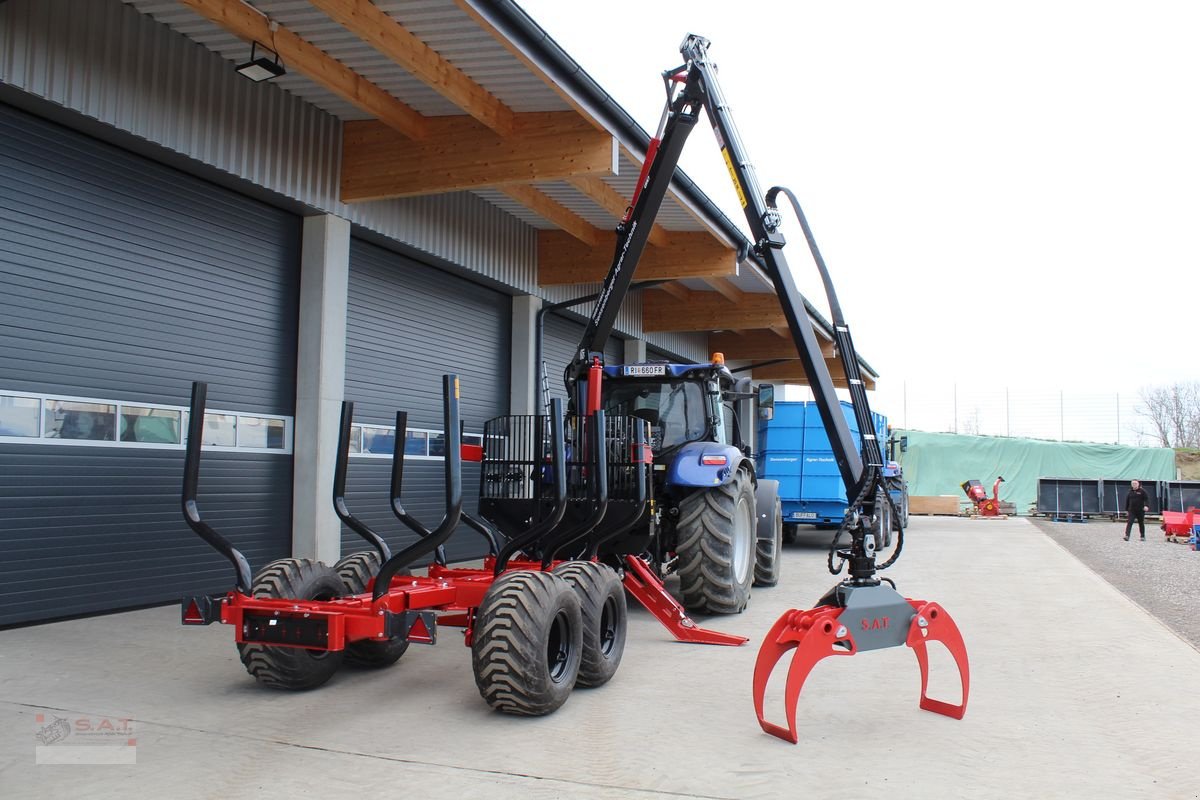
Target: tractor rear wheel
[[293, 667], [768, 552], [715, 545], [528, 643], [605, 618], [356, 571]]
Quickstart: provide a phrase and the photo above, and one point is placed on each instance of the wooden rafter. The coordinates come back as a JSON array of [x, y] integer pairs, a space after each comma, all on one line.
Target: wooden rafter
[[304, 57], [759, 345], [709, 311], [373, 25], [461, 153], [553, 211], [793, 372], [726, 289], [611, 201], [563, 260]]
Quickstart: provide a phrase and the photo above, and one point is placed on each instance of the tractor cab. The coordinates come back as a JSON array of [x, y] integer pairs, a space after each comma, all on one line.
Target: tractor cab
[[684, 403]]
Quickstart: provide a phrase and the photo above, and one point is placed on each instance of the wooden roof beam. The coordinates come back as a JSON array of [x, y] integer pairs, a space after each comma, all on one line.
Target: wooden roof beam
[[759, 345], [461, 153], [611, 201], [306, 58], [374, 26], [793, 372], [709, 311], [555, 212], [564, 260]]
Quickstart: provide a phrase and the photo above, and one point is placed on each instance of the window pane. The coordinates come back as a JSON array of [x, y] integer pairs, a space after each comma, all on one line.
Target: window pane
[[355, 438], [220, 430], [151, 425], [437, 445], [261, 432], [473, 438], [379, 441], [71, 420], [415, 444], [20, 416]]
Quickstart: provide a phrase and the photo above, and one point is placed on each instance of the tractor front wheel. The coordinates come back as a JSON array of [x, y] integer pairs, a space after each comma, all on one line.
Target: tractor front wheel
[[715, 545], [293, 667], [528, 642], [356, 571]]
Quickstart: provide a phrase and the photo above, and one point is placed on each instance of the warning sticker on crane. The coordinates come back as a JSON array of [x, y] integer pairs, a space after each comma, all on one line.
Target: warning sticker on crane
[[733, 176]]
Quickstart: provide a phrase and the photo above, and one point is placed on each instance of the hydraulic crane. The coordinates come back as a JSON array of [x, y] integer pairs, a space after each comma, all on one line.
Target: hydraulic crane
[[863, 611]]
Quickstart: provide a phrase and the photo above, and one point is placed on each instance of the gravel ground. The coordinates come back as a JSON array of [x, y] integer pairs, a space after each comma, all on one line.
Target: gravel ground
[[1160, 576]]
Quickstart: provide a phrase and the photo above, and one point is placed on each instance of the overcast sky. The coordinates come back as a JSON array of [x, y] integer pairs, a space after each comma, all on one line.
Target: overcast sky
[[1007, 194]]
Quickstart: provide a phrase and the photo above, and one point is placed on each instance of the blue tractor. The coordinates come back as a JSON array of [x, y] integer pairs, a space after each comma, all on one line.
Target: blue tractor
[[714, 522]]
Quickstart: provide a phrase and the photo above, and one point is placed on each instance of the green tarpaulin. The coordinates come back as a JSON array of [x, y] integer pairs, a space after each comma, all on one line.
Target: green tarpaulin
[[938, 464]]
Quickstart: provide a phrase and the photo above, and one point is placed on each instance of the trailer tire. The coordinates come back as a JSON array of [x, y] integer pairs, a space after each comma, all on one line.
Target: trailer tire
[[791, 532], [768, 552], [605, 619], [356, 571], [527, 643], [293, 667], [715, 546]]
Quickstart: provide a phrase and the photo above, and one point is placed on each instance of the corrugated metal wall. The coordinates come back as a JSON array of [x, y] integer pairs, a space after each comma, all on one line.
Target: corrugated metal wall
[[107, 61]]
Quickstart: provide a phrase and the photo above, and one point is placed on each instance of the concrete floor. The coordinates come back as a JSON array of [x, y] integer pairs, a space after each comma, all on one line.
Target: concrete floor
[[1076, 692]]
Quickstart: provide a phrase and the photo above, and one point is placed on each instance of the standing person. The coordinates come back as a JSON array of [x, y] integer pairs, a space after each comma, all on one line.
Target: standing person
[[1136, 503]]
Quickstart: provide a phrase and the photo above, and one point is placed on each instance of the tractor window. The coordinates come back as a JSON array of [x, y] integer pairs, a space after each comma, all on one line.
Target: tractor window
[[674, 409]]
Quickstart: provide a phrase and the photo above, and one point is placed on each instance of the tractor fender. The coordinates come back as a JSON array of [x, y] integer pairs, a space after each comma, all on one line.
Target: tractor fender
[[766, 495], [689, 470]]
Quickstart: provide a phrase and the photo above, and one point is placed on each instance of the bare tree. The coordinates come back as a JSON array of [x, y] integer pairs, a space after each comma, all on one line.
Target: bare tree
[[1173, 413]]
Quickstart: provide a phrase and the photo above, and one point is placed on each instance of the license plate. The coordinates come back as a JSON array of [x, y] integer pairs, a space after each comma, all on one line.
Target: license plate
[[804, 514], [640, 370]]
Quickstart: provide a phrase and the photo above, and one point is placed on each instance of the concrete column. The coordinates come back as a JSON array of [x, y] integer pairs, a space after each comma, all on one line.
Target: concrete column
[[635, 351], [523, 392], [320, 385]]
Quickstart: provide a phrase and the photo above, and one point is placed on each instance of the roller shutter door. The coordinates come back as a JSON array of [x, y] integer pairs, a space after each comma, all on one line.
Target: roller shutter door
[[560, 337], [122, 280], [407, 325]]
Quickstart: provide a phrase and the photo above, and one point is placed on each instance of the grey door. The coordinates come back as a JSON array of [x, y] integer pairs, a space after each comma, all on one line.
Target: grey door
[[408, 324], [560, 337], [121, 281]]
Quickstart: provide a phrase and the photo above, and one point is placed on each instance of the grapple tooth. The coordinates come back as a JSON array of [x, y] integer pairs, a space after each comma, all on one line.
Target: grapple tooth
[[932, 623], [813, 635]]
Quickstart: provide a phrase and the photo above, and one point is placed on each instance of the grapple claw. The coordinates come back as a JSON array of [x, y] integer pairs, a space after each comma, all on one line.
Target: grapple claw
[[814, 635], [932, 623]]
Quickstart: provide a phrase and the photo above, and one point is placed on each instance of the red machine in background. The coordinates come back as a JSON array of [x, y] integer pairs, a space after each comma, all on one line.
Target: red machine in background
[[984, 506]]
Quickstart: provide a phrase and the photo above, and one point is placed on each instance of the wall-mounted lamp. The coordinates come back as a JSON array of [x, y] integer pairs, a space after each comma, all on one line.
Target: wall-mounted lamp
[[261, 68]]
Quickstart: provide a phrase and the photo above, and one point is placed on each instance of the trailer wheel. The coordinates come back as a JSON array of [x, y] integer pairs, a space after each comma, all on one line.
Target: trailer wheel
[[356, 571], [293, 667], [605, 618], [528, 642], [715, 545], [768, 552], [791, 531]]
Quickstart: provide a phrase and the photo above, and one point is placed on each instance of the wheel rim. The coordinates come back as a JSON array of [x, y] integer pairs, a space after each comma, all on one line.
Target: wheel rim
[[608, 627], [742, 532], [558, 647]]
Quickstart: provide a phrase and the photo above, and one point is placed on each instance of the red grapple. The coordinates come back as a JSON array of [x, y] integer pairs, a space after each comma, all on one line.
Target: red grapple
[[822, 632]]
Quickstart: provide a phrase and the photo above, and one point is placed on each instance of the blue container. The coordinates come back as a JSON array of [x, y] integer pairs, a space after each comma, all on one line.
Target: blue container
[[794, 449]]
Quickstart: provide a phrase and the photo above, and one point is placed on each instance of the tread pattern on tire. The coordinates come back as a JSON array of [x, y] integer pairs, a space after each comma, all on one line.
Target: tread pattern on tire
[[508, 652], [704, 544], [595, 583], [355, 572], [768, 552], [292, 667]]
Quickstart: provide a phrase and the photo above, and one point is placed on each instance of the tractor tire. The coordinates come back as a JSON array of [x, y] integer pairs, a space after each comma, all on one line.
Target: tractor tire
[[293, 667], [356, 571], [715, 545], [768, 552], [898, 484], [528, 643], [605, 619], [883, 526]]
